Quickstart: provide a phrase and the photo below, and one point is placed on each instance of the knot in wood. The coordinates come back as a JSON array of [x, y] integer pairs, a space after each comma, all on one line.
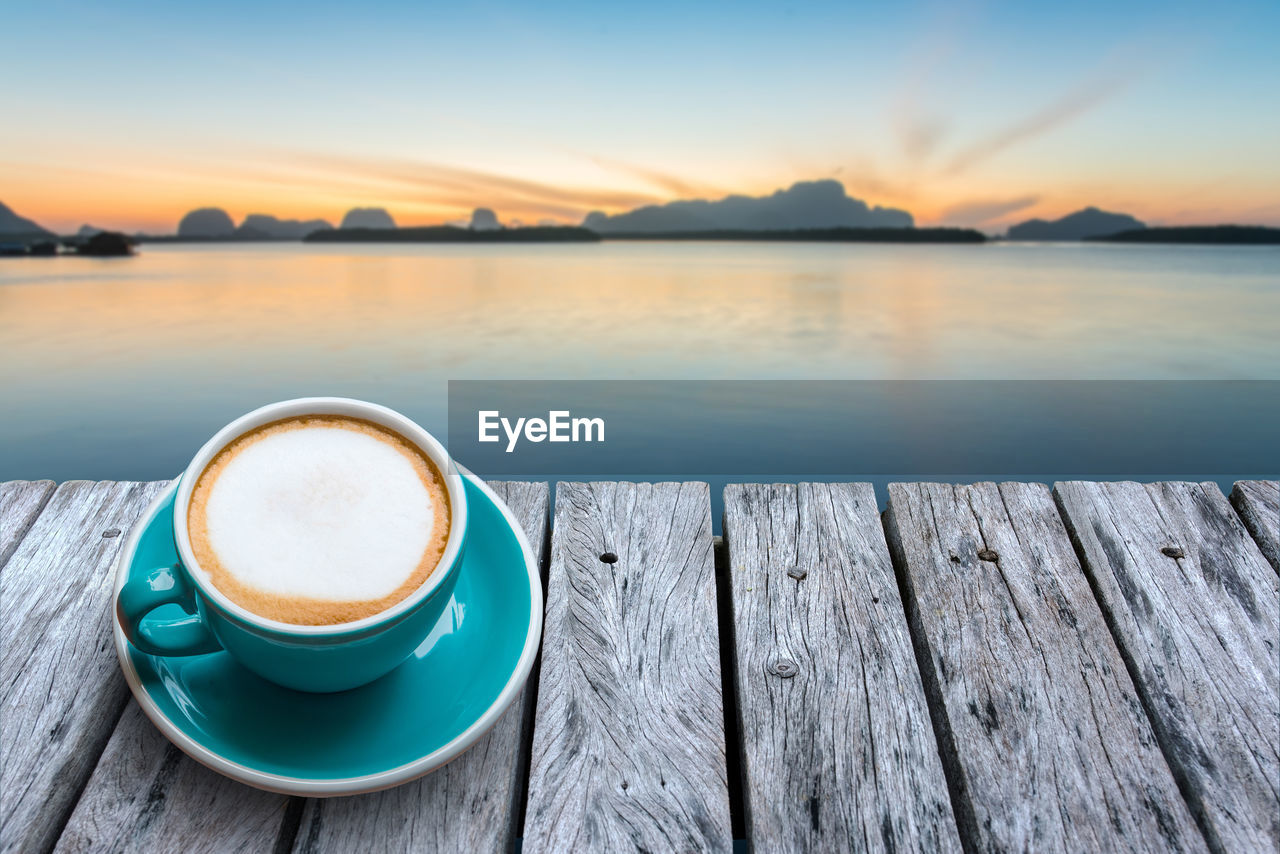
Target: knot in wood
[[989, 555], [608, 557], [1173, 551], [797, 573], [111, 532], [784, 668]]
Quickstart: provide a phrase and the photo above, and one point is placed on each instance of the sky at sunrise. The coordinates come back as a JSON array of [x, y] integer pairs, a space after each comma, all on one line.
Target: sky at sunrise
[[974, 114]]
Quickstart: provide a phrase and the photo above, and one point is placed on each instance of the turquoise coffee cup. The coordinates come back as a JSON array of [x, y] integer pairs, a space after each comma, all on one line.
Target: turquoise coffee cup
[[306, 658]]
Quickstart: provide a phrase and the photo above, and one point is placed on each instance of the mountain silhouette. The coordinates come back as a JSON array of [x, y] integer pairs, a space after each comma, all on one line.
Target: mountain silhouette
[[484, 219], [12, 225], [368, 218], [805, 204], [1080, 225], [265, 226], [206, 222]]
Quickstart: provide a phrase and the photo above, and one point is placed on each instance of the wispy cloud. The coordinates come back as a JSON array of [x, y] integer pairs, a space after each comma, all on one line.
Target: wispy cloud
[[924, 136], [436, 182], [979, 211], [864, 178], [676, 185], [1058, 112], [920, 133], [1129, 61]]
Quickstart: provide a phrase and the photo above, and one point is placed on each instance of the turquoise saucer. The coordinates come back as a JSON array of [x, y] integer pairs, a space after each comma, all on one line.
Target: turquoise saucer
[[425, 712]]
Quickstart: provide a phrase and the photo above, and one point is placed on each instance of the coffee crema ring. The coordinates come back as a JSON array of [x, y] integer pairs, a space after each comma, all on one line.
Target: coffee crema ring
[[319, 519]]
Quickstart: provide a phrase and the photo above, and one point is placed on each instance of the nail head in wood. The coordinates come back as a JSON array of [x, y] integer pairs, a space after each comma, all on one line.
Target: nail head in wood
[[784, 668], [797, 573], [989, 555], [1173, 551], [608, 557]]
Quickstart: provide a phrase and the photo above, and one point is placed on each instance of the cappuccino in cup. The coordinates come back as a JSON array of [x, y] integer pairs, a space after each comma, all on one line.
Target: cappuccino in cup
[[319, 519]]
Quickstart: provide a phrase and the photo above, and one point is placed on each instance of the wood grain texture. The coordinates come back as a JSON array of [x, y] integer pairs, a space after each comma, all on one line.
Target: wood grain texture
[[838, 747], [20, 503], [628, 743], [147, 795], [1051, 749], [1196, 611], [63, 691], [1258, 503], [472, 804]]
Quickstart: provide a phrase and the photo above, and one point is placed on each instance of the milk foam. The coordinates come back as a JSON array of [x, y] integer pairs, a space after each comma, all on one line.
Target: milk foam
[[321, 513]]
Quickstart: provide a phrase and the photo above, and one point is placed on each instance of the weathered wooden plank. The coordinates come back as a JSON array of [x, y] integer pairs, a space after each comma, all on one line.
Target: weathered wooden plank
[[146, 795], [20, 503], [471, 804], [838, 748], [1196, 611], [63, 692], [1258, 503], [628, 742], [1049, 745]]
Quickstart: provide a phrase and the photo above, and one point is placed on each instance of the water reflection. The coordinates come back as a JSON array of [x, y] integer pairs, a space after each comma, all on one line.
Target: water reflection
[[119, 369]]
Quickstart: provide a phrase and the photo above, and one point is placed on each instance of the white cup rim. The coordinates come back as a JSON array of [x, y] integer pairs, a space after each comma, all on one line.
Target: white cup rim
[[352, 408]]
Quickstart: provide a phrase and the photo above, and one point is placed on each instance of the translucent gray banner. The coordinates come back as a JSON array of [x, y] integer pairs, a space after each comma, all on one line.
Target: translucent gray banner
[[830, 428]]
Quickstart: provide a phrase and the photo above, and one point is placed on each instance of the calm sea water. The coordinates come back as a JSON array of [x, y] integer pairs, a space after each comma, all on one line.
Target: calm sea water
[[121, 368]]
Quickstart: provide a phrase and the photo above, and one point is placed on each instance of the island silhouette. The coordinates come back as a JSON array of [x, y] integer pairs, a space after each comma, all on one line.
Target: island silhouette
[[216, 224], [367, 218], [815, 211], [456, 234], [804, 205], [1081, 225], [14, 228], [206, 223], [484, 219], [22, 237], [267, 227], [1238, 235]]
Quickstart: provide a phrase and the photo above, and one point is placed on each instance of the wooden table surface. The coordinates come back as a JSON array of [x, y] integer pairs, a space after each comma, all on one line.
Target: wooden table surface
[[1092, 667]]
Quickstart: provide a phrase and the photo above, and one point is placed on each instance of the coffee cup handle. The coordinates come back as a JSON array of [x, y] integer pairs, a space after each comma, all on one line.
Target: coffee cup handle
[[188, 635]]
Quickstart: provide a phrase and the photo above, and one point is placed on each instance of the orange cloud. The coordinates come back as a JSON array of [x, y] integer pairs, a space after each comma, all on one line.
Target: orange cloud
[[978, 212], [1056, 113], [679, 187], [131, 194], [486, 188]]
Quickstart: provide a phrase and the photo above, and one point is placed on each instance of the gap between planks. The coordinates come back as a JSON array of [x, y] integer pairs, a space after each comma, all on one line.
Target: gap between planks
[[285, 838], [1050, 745], [1258, 503], [20, 503], [1180, 580], [63, 692], [837, 745], [628, 744], [1166, 825], [146, 795]]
